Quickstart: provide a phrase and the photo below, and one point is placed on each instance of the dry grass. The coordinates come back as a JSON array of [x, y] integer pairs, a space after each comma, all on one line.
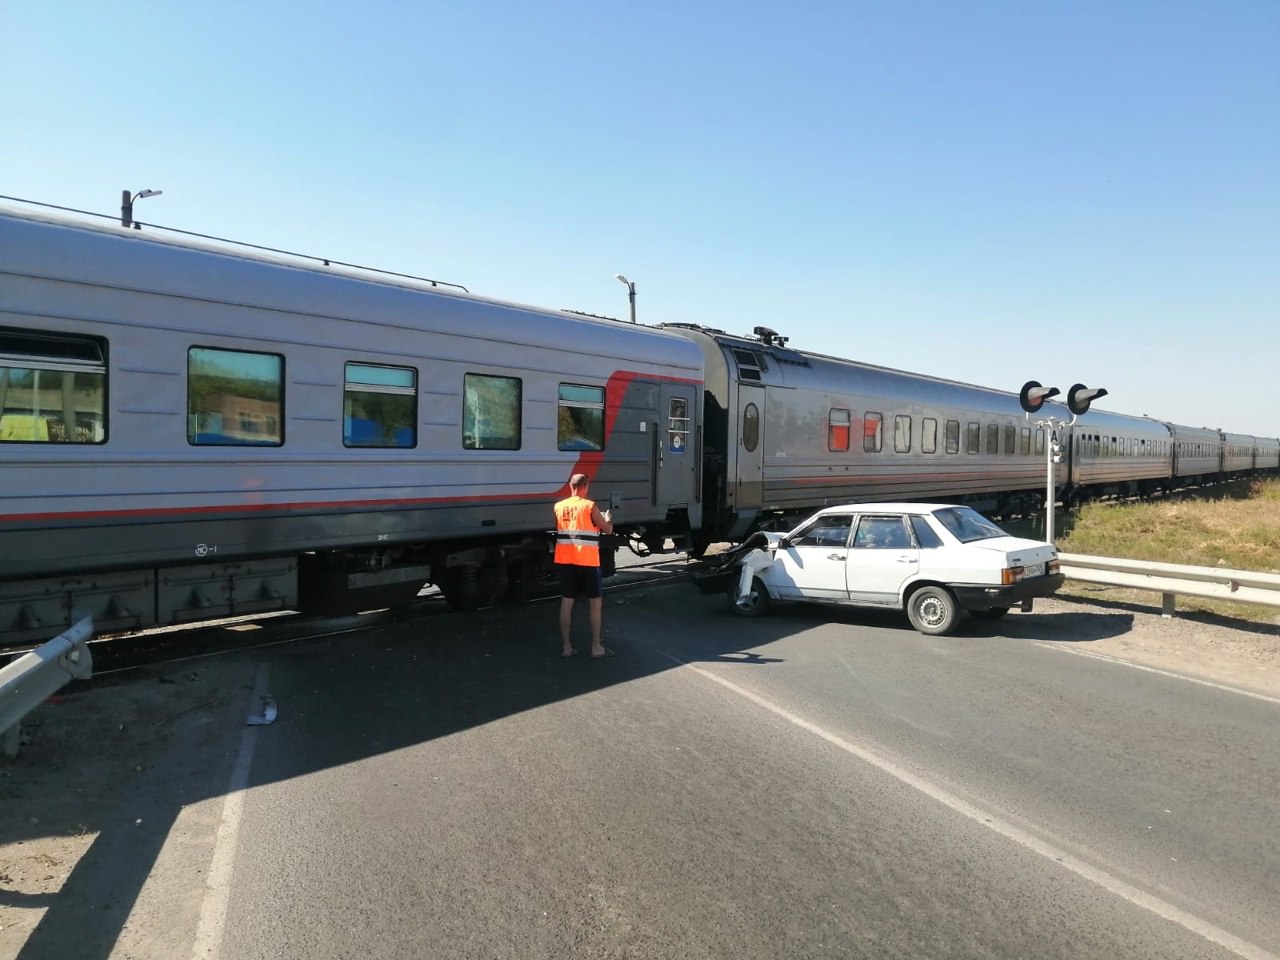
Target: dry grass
[[1237, 528]]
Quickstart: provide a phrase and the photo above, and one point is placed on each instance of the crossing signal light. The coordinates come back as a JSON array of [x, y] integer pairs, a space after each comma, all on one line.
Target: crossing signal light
[[1079, 397], [1033, 395]]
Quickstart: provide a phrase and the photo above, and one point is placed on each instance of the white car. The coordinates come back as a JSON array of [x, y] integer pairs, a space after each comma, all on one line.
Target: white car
[[932, 560]]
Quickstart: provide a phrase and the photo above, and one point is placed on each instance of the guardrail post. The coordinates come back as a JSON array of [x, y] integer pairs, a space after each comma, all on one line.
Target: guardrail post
[[1168, 603]]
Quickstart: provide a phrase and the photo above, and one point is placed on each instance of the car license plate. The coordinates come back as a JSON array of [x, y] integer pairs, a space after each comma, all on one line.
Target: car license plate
[[1032, 570]]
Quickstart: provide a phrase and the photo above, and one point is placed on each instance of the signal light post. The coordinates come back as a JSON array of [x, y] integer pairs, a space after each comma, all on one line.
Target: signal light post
[[1032, 398]]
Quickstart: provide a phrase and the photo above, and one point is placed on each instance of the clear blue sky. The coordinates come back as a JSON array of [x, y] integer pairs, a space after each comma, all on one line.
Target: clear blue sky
[[987, 191]]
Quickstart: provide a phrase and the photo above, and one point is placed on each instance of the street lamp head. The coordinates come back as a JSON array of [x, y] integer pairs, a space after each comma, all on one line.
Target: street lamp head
[[623, 279], [148, 193]]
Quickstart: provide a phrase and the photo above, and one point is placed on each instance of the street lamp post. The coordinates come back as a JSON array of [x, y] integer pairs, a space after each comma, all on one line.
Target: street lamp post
[[1032, 398], [126, 205], [631, 294]]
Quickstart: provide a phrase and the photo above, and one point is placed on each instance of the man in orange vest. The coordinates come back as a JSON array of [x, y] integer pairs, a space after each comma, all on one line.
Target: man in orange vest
[[579, 524]]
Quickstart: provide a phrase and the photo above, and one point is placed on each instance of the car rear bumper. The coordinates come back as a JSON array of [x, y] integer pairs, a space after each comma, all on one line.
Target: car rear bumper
[[973, 597]]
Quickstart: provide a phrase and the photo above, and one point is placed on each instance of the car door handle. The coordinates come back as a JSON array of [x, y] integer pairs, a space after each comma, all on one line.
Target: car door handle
[[835, 556], [906, 559]]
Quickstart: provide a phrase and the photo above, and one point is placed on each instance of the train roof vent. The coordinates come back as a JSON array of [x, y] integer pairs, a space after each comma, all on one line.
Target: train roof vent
[[749, 364], [790, 356]]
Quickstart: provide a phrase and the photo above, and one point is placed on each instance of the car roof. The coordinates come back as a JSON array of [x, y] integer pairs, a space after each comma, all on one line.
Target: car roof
[[888, 507]]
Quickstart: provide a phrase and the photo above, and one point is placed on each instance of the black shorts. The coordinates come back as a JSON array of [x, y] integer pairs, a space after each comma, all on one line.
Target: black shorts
[[576, 581]]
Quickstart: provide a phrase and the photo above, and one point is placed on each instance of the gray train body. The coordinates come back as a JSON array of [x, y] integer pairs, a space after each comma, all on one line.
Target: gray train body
[[222, 450], [190, 431], [789, 431]]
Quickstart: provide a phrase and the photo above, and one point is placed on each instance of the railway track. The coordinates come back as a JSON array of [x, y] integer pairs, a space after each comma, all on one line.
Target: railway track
[[119, 652]]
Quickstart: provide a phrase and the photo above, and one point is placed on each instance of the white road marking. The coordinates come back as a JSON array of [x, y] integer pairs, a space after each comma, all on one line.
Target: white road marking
[[1115, 885], [1164, 673], [213, 911]]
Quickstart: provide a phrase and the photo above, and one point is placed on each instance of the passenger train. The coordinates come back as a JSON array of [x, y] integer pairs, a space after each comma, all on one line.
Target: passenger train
[[191, 430]]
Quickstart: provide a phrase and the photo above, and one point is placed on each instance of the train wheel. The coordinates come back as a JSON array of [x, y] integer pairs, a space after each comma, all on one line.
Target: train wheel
[[522, 579], [467, 588], [933, 611]]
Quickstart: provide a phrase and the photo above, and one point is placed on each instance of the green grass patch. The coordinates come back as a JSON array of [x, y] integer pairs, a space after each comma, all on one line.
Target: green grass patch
[[1237, 528]]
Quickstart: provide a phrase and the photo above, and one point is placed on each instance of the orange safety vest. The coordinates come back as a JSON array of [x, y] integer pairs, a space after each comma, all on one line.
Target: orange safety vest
[[577, 538]]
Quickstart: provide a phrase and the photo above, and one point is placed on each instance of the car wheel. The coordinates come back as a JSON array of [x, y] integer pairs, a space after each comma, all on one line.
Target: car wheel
[[933, 610], [754, 604], [992, 613]]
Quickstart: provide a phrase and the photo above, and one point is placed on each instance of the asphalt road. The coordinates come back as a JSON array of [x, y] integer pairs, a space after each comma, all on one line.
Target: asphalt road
[[803, 785]]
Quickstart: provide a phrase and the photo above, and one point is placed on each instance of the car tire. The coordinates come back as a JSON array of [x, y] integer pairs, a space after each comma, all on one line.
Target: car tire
[[933, 611], [754, 604], [992, 613]]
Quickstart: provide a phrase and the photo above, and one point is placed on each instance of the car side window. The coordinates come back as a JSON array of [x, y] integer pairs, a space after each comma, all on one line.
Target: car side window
[[925, 536], [831, 531], [882, 533]]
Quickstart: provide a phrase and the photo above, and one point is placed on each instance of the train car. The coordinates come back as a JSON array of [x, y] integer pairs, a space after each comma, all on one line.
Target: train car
[[1238, 454], [190, 431], [1114, 454], [1197, 454], [1267, 454], [787, 432]]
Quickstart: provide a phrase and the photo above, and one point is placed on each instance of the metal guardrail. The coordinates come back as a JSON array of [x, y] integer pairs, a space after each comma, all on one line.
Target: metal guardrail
[[31, 679], [1171, 579]]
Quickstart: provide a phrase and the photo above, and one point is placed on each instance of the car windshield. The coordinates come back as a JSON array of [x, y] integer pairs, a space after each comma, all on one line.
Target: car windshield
[[967, 525]]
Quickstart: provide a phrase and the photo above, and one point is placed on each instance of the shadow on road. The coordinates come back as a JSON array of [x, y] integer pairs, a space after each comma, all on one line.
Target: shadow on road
[[397, 684]]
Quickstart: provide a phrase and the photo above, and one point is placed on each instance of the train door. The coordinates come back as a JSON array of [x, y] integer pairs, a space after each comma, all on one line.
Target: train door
[[675, 457], [749, 492]]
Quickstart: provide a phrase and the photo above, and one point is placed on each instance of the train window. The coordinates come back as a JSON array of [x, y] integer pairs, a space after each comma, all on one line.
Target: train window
[[1039, 441], [1026, 441], [973, 438], [580, 420], [929, 435], [678, 425], [872, 432], [234, 398], [1010, 439], [838, 430], [901, 434], [52, 388], [751, 427], [492, 412], [993, 439], [953, 436], [379, 406]]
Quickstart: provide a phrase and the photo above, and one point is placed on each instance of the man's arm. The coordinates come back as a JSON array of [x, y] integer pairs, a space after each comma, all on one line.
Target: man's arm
[[601, 520]]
